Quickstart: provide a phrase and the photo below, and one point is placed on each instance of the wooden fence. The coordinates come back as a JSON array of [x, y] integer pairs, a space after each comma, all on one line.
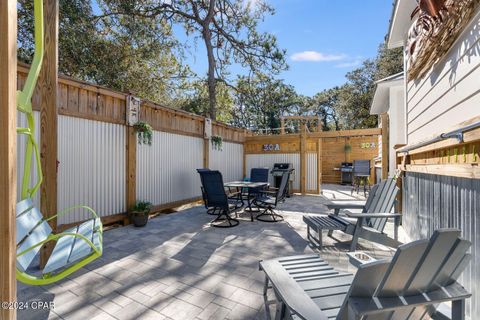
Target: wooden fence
[[320, 153], [99, 160]]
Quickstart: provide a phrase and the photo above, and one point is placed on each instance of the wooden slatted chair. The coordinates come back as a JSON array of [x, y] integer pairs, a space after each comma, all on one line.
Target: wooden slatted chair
[[369, 224], [421, 275], [74, 247]]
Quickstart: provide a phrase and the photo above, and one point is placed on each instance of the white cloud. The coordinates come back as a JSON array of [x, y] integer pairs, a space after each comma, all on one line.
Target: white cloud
[[316, 56]]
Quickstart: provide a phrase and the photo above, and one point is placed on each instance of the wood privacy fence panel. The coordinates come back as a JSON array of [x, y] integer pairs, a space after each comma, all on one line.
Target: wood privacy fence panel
[[333, 154], [434, 201], [229, 161], [21, 143], [166, 170], [364, 146], [267, 161], [92, 167]]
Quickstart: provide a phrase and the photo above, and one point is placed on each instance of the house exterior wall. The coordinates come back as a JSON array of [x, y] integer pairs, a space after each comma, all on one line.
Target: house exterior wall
[[397, 133], [443, 99], [450, 93]]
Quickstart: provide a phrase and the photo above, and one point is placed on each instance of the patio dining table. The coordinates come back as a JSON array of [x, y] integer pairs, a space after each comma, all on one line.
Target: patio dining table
[[239, 185]]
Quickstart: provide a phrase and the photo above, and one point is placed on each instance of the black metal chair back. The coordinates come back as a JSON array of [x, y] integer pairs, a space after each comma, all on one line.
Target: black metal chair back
[[204, 195], [281, 193], [215, 194], [259, 174], [361, 167]]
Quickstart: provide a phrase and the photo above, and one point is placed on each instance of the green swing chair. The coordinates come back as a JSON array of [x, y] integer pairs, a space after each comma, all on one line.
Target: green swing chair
[[74, 247]]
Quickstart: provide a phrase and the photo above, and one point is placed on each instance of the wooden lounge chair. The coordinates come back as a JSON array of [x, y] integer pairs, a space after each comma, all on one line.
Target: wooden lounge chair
[[369, 224], [421, 275], [269, 199]]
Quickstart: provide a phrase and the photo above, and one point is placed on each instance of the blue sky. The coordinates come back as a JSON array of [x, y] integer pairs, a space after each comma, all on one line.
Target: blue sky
[[324, 39]]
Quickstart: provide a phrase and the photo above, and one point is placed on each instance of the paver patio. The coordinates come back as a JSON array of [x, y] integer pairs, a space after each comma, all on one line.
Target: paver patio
[[178, 267]]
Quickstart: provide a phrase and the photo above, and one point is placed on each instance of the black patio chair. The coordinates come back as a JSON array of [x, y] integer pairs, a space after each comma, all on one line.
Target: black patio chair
[[210, 210], [361, 175], [256, 175], [269, 199], [217, 198]]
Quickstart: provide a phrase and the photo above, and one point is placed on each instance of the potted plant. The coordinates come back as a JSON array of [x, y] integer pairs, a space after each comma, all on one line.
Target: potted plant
[[139, 213], [144, 132], [347, 148], [217, 142]]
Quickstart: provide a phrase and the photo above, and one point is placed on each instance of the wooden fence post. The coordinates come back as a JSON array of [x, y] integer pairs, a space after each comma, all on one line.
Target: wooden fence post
[[385, 145], [48, 120], [131, 169], [206, 145], [319, 165], [303, 158], [8, 138]]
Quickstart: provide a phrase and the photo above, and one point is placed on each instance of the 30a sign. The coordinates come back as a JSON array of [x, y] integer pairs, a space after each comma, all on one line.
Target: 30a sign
[[271, 147], [367, 145]]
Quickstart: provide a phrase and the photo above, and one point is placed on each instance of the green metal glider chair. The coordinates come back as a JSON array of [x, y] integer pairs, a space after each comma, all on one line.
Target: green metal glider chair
[[74, 247]]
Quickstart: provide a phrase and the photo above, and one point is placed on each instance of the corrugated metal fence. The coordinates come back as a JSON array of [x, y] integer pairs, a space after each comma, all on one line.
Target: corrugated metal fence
[[93, 151], [229, 160], [432, 202], [166, 169], [267, 160], [91, 169]]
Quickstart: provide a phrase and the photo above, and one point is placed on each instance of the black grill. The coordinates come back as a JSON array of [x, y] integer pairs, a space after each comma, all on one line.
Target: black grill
[[277, 173], [346, 171]]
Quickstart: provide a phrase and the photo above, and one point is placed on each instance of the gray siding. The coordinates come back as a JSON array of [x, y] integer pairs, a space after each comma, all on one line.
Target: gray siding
[[450, 93], [432, 202]]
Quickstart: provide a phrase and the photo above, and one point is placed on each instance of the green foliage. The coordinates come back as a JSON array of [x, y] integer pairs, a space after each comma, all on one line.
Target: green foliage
[[128, 54], [144, 133], [141, 207], [217, 142], [228, 29], [260, 101], [196, 100]]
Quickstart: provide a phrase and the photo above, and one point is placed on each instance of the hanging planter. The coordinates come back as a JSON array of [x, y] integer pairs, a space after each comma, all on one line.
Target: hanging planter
[[217, 143], [144, 132], [347, 148]]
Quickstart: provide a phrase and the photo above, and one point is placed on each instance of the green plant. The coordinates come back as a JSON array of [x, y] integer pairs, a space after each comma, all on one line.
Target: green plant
[[347, 148], [141, 207], [217, 142], [144, 132]]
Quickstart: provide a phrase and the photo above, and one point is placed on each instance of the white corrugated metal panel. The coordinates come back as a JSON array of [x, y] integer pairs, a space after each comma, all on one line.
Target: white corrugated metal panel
[[311, 174], [166, 170], [229, 161], [267, 160], [92, 167], [22, 122]]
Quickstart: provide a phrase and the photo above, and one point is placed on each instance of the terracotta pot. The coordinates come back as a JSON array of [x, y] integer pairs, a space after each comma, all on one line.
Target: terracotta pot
[[139, 218]]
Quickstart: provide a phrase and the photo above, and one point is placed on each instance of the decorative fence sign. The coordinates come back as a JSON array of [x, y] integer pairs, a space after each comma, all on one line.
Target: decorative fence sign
[[367, 145], [207, 130], [271, 147], [133, 110]]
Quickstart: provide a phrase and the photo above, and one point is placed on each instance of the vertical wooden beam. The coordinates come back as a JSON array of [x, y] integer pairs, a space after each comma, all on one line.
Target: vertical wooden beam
[[206, 147], [303, 158], [319, 165], [8, 139], [48, 119], [131, 158], [385, 145]]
